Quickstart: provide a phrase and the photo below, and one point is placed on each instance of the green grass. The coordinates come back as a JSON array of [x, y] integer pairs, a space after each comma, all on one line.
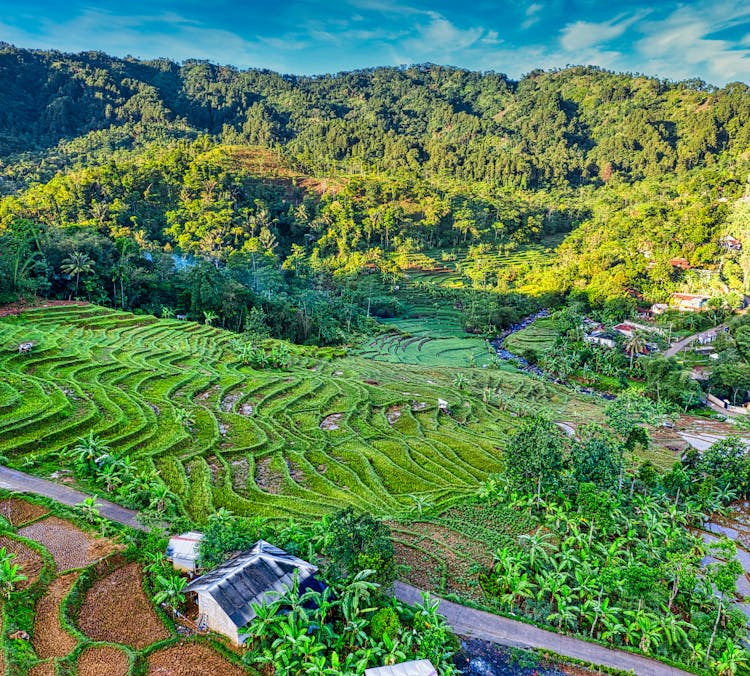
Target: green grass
[[537, 337], [257, 446]]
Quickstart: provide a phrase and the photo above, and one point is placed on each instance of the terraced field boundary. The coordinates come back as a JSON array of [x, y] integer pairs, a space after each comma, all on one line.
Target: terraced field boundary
[[259, 444]]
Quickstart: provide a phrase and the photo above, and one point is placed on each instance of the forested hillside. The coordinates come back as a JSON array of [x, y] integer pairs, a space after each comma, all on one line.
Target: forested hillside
[[284, 184]]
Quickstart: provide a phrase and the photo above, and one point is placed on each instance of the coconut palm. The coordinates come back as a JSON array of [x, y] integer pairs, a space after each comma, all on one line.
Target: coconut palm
[[77, 264], [635, 344]]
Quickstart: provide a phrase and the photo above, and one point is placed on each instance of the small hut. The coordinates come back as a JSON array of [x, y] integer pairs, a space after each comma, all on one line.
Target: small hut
[[226, 595], [417, 668], [183, 551]]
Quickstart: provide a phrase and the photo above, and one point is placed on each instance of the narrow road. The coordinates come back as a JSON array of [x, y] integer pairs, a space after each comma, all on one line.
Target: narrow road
[[682, 344], [479, 624], [13, 480]]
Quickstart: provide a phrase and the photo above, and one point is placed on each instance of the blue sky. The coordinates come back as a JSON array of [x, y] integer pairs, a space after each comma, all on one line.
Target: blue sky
[[702, 38]]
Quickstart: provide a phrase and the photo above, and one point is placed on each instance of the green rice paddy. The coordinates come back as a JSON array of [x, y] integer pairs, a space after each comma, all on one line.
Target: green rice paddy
[[301, 442]]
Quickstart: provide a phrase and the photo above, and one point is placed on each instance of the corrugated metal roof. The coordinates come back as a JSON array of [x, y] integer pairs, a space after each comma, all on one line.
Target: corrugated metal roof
[[417, 668], [256, 576], [184, 546]]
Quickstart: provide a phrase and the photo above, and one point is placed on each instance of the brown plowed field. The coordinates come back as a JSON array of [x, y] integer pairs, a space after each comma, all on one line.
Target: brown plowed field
[[116, 610], [190, 659], [69, 545], [50, 639], [103, 661]]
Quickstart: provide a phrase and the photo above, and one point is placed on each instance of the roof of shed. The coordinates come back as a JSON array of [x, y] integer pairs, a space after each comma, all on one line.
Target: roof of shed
[[418, 668], [257, 575], [185, 546]]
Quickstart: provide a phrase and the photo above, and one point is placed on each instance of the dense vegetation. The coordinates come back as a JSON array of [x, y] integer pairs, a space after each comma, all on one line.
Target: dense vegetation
[[243, 207], [110, 166]]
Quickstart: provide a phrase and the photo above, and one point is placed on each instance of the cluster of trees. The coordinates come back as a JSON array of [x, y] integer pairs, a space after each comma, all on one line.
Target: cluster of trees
[[148, 155], [730, 373], [614, 558], [96, 464]]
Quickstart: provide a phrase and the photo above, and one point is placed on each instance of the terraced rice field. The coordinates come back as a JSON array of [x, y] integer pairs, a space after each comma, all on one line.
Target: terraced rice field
[[432, 266], [537, 337], [259, 444]]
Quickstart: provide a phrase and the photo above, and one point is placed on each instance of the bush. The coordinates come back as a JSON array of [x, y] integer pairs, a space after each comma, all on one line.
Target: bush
[[385, 621]]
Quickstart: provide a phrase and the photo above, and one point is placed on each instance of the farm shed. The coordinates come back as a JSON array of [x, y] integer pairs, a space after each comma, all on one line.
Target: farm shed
[[417, 668], [260, 574], [182, 550]]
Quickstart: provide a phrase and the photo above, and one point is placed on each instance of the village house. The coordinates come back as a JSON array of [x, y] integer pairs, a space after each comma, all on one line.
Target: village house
[[602, 338], [730, 243], [625, 329], [689, 302], [681, 263], [226, 595], [183, 551]]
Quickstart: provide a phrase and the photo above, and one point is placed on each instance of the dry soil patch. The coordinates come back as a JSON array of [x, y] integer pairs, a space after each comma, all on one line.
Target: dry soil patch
[[190, 659], [50, 639], [29, 560], [43, 669], [101, 660], [19, 512], [331, 423], [69, 545], [116, 610]]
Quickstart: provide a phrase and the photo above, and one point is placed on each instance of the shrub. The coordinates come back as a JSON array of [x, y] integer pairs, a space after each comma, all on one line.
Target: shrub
[[384, 621]]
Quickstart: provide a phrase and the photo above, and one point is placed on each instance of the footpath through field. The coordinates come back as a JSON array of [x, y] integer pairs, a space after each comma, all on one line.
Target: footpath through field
[[479, 624], [13, 480]]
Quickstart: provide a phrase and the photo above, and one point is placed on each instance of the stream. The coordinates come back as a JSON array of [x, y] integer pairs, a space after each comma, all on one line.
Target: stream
[[482, 658], [498, 344]]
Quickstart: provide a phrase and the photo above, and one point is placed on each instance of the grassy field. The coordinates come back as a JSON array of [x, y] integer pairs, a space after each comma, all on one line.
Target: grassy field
[[301, 442], [537, 337]]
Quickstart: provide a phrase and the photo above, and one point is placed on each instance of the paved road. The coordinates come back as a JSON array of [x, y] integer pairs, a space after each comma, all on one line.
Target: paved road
[[478, 624], [14, 480], [682, 344]]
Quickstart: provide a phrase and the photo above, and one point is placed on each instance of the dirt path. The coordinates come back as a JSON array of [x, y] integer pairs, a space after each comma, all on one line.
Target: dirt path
[[13, 480], [502, 630]]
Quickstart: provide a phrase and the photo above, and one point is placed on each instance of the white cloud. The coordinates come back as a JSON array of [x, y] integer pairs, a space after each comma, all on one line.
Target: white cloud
[[584, 34], [533, 14], [683, 45]]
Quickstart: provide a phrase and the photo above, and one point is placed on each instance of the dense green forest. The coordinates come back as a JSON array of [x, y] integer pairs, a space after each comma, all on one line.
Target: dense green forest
[[201, 188]]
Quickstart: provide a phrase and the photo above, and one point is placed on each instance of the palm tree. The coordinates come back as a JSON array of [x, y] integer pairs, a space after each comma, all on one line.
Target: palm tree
[[167, 312], [77, 264], [635, 344], [171, 590], [89, 508], [731, 660], [459, 381], [209, 317], [88, 450], [10, 575]]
